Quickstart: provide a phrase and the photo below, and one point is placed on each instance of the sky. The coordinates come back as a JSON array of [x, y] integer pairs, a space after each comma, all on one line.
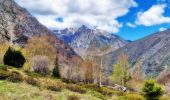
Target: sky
[[130, 19]]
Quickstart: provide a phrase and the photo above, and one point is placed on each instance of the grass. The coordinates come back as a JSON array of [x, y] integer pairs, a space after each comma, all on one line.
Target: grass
[[23, 91], [36, 87]]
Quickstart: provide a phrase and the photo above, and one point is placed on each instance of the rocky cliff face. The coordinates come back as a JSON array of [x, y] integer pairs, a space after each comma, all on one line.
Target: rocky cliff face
[[85, 40], [17, 26], [153, 51]]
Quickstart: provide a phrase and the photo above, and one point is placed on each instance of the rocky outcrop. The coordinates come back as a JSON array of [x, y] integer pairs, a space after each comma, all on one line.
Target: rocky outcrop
[[17, 25]]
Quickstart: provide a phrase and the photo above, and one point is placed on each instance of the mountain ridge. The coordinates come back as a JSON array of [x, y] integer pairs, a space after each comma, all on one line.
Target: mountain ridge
[[152, 51], [83, 39], [17, 25]]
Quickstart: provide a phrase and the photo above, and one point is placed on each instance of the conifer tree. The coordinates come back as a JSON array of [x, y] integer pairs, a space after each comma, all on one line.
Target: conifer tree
[[14, 58]]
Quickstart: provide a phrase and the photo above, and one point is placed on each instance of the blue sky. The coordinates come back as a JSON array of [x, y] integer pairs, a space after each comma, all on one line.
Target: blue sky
[[140, 31], [130, 19]]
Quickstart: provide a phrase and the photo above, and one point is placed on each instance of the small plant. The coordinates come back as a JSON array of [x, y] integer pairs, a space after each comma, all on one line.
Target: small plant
[[4, 74], [75, 88], [55, 86], [15, 77], [98, 95], [32, 81], [151, 90], [14, 58], [73, 97]]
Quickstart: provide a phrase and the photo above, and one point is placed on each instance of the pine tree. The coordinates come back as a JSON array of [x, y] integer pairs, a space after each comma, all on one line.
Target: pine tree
[[14, 58], [56, 70]]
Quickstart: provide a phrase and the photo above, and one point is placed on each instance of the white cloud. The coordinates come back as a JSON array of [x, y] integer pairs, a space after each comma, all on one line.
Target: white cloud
[[153, 16], [93, 13], [162, 29], [131, 25]]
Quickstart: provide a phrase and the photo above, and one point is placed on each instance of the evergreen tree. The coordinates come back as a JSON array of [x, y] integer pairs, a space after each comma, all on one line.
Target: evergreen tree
[[56, 71], [14, 58]]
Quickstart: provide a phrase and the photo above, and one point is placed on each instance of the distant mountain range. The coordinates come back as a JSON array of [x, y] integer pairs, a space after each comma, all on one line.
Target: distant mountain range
[[87, 41], [17, 26], [153, 51]]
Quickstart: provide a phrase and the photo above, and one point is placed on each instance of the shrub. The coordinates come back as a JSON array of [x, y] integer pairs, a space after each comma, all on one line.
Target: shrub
[[55, 86], [41, 65], [73, 97], [15, 77], [56, 71], [32, 81], [133, 96], [102, 90], [4, 74], [151, 90], [75, 88], [14, 58]]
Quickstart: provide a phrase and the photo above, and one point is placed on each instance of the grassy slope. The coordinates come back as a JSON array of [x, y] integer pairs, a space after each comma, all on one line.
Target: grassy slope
[[23, 91]]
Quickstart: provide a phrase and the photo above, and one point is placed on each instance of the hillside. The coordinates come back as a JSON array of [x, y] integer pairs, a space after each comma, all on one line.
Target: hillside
[[85, 40], [17, 25], [153, 51], [33, 86]]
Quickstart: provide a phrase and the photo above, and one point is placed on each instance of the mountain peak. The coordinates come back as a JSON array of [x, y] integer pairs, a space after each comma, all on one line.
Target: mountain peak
[[83, 39]]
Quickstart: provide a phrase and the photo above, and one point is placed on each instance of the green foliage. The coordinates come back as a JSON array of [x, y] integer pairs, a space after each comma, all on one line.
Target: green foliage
[[33, 74], [56, 71], [152, 90], [121, 70], [15, 77], [98, 95], [14, 58], [73, 97]]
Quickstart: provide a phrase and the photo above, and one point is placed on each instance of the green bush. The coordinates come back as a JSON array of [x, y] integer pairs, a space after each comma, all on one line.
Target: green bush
[[75, 88], [14, 58], [15, 77], [32, 81], [151, 90], [56, 71], [73, 97]]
